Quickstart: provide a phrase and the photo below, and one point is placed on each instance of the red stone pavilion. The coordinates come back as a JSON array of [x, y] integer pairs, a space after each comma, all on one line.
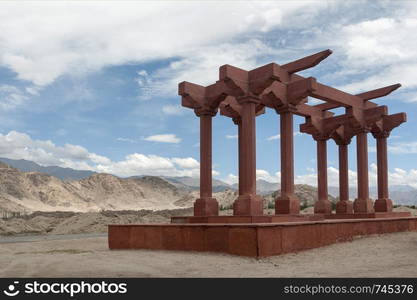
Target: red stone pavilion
[[242, 95]]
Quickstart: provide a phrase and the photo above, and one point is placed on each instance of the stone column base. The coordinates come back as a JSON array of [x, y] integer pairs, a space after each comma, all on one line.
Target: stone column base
[[344, 207], [363, 206], [289, 204], [323, 207], [248, 205], [206, 207], [383, 205]]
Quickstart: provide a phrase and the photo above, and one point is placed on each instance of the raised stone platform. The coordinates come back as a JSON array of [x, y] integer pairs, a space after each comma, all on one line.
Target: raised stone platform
[[378, 215], [248, 219], [283, 218], [252, 239]]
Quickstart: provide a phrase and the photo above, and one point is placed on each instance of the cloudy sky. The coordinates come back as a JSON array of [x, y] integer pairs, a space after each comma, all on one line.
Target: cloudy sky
[[93, 85]]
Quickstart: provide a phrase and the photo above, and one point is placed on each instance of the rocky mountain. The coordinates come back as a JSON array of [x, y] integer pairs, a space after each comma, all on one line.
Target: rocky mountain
[[191, 183], [399, 194], [31, 191], [265, 187], [58, 172], [35, 191], [306, 193]]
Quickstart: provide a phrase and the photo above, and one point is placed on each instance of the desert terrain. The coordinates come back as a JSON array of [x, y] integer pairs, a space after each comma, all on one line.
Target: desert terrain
[[58, 228], [53, 223], [75, 245], [390, 255]]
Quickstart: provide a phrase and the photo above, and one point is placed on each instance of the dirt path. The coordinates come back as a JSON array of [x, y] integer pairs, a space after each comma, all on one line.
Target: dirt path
[[49, 237], [390, 255]]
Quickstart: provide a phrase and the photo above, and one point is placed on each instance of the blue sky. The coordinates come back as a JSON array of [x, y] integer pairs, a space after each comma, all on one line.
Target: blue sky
[[93, 85]]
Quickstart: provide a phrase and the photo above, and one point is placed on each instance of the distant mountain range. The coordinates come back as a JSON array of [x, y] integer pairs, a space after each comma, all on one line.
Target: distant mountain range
[[35, 191], [400, 194], [58, 172]]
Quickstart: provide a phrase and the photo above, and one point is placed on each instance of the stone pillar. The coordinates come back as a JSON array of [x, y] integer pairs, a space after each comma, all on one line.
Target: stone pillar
[[206, 205], [238, 121], [240, 145], [362, 203], [383, 203], [323, 205], [344, 206], [248, 203], [287, 202]]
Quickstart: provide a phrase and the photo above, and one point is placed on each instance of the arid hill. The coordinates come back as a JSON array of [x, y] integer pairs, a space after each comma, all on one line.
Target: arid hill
[[34, 191], [306, 193]]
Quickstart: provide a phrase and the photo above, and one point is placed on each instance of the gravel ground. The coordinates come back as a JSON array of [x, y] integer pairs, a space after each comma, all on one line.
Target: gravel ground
[[389, 255]]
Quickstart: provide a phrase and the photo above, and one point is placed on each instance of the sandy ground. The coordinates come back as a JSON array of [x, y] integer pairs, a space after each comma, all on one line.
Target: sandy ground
[[47, 223], [389, 255]]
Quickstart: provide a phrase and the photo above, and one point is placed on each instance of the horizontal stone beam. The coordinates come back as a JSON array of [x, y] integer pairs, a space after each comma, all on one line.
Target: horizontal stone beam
[[192, 94], [372, 115], [305, 110], [381, 92], [300, 89], [188, 88], [235, 78], [279, 86], [306, 62], [255, 81], [262, 77], [327, 125], [195, 96], [337, 97]]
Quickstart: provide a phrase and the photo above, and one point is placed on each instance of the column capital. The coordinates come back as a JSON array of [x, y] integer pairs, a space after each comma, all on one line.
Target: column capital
[[321, 136], [363, 129], [248, 98], [288, 108], [342, 142], [237, 120], [205, 112], [381, 134]]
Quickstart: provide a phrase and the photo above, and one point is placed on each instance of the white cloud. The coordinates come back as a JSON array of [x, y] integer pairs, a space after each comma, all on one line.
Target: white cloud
[[64, 39], [231, 179], [121, 139], [186, 163], [332, 177], [11, 96], [278, 136], [17, 145], [140, 164], [260, 174], [128, 32], [215, 173], [399, 148], [201, 66], [403, 148], [231, 136], [163, 138], [174, 110], [378, 52], [265, 175], [396, 177]]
